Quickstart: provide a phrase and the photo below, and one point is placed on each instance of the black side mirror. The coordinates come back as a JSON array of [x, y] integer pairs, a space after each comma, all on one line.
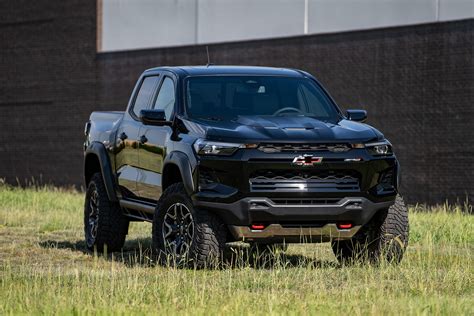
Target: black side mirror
[[153, 117], [357, 115]]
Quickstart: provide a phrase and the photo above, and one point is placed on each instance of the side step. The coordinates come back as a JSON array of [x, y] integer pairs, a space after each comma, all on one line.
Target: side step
[[138, 210]]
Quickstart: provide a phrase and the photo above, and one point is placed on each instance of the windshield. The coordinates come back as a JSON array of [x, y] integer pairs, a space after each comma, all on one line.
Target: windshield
[[227, 97]]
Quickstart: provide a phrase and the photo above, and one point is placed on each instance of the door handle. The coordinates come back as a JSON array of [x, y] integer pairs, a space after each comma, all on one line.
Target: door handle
[[123, 136], [143, 139]]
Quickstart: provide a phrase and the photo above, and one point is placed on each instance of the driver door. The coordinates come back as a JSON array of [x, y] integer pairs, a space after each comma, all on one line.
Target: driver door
[[127, 143], [153, 140]]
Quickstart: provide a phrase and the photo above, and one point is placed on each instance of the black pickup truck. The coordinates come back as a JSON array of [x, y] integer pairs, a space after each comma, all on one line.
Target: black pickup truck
[[217, 154]]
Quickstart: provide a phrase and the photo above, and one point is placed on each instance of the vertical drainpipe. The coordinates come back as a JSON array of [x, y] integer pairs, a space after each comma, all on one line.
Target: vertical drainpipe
[[196, 22], [437, 10], [98, 25], [306, 5]]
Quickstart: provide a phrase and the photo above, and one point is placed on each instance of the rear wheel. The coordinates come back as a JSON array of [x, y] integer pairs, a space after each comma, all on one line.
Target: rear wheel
[[385, 237], [105, 226], [185, 235]]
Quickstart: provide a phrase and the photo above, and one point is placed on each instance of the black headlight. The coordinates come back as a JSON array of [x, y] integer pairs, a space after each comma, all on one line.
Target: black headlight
[[211, 148], [383, 148]]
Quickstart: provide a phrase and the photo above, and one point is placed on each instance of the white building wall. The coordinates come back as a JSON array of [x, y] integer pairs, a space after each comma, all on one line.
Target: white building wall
[[455, 9], [345, 15], [133, 24], [137, 24], [233, 20]]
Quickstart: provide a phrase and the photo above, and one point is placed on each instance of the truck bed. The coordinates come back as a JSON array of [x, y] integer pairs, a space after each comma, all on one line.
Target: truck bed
[[103, 125]]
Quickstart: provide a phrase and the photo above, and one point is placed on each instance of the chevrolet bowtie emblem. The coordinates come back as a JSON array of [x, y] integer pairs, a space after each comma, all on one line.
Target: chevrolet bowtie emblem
[[307, 160]]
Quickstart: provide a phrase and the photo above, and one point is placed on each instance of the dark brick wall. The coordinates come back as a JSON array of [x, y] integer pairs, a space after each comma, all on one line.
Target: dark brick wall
[[47, 87], [417, 83]]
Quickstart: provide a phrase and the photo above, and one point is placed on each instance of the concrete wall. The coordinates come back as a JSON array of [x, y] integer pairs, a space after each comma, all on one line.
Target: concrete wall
[[415, 81], [138, 24]]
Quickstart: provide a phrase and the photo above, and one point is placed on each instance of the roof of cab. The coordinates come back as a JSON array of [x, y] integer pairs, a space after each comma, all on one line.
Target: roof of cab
[[229, 70]]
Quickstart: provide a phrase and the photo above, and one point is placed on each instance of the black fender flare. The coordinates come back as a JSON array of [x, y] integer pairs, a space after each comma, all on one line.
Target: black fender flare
[[98, 149], [181, 160]]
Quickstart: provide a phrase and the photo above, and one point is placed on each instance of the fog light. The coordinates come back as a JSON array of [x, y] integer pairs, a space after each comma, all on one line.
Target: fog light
[[386, 182]]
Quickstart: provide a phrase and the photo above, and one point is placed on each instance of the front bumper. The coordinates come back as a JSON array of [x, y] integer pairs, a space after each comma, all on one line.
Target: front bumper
[[279, 233], [291, 222]]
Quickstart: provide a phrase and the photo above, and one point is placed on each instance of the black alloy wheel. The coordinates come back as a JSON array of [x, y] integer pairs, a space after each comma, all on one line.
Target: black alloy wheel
[[105, 226], [178, 230], [93, 219]]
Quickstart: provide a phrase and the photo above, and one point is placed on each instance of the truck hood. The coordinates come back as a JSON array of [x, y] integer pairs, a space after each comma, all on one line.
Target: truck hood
[[249, 129]]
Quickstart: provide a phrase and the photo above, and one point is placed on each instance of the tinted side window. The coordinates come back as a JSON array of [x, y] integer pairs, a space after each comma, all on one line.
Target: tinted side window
[[144, 94], [317, 104], [165, 99]]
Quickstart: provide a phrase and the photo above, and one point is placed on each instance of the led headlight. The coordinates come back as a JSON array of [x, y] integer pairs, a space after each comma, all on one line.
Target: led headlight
[[383, 148], [204, 147]]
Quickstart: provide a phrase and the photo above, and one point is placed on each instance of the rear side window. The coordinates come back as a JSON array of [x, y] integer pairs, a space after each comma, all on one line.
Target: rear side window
[[144, 94], [165, 99]]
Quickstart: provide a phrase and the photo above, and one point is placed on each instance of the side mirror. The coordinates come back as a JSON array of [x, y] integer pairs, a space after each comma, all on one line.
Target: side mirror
[[357, 115], [153, 117]]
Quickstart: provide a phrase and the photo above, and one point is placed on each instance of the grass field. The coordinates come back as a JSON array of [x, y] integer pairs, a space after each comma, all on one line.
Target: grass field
[[44, 268]]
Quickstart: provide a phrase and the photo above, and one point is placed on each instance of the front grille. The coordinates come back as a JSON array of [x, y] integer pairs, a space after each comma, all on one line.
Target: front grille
[[275, 148], [304, 181]]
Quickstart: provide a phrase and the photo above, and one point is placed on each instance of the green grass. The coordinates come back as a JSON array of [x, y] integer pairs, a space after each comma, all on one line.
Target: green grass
[[44, 268]]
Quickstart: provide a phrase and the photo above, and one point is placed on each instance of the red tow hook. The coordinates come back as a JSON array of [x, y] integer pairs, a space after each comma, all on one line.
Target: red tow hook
[[344, 225], [257, 226]]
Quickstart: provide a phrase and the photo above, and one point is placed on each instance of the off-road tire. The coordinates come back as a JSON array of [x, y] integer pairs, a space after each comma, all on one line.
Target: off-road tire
[[208, 241], [385, 237], [111, 225]]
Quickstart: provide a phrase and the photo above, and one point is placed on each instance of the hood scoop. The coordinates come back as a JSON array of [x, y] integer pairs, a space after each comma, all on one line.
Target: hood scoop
[[283, 123]]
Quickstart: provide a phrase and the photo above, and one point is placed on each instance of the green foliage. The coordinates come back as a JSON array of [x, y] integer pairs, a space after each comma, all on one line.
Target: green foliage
[[44, 269]]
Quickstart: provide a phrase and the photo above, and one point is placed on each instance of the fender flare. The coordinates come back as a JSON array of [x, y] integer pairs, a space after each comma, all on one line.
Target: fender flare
[[98, 149], [181, 160]]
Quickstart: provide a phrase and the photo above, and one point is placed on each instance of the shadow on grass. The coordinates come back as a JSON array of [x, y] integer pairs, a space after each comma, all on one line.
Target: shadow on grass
[[137, 252], [243, 256]]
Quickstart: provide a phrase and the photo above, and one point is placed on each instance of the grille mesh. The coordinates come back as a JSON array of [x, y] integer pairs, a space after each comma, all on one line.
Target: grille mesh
[[302, 181], [274, 148]]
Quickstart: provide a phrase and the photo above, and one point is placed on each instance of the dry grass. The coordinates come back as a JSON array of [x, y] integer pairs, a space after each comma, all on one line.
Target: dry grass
[[44, 268]]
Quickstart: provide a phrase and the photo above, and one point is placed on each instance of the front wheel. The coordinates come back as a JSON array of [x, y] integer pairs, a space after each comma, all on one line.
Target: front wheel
[[385, 237], [185, 235]]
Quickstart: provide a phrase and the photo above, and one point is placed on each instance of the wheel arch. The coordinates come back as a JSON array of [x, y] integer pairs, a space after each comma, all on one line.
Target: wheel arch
[[177, 168], [96, 159]]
